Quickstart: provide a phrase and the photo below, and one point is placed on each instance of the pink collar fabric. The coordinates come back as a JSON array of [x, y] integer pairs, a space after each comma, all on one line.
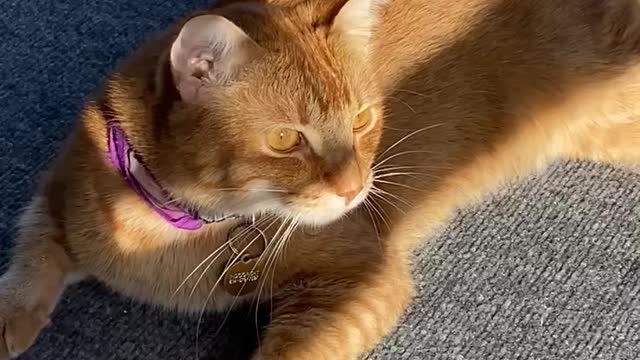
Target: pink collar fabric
[[128, 164]]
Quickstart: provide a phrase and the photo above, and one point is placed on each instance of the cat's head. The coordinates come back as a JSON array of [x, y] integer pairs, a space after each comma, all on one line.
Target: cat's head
[[279, 109]]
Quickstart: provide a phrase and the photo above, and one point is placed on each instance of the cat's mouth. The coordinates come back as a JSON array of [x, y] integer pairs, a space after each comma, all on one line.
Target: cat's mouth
[[325, 208], [313, 207]]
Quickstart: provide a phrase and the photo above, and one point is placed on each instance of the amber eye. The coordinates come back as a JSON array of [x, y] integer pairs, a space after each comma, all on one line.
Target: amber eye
[[283, 139], [362, 119]]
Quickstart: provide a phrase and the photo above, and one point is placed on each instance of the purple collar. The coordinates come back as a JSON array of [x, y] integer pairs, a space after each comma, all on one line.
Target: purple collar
[[144, 184]]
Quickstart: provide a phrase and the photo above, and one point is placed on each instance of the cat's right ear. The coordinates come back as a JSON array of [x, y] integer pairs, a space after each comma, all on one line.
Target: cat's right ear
[[210, 49], [356, 21]]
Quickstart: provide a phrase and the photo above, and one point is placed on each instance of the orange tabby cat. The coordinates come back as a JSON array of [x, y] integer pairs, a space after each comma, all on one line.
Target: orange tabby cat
[[271, 113]]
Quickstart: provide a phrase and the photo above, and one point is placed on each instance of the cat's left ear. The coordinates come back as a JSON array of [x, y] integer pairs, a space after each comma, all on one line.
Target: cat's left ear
[[356, 21], [210, 50]]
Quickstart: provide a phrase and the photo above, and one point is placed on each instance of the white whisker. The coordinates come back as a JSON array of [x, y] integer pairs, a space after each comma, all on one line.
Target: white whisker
[[394, 196], [275, 240], [410, 92], [402, 153], [406, 137], [214, 287], [367, 206], [204, 272], [382, 176], [381, 196], [400, 185], [235, 298], [280, 251], [378, 211], [403, 103], [410, 167], [219, 251]]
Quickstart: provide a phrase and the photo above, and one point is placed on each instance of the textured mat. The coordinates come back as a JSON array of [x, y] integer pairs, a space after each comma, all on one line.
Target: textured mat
[[546, 270]]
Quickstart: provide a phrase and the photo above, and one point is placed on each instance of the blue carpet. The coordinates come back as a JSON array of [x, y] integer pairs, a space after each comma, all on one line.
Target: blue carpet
[[53, 55]]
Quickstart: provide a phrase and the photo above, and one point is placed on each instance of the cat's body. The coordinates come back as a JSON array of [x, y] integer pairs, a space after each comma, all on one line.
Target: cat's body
[[477, 92]]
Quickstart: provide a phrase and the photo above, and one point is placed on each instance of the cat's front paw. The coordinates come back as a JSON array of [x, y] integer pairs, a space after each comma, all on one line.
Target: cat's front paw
[[19, 325]]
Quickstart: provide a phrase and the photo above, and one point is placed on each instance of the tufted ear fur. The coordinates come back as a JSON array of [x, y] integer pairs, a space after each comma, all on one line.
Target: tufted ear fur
[[356, 21], [210, 49]]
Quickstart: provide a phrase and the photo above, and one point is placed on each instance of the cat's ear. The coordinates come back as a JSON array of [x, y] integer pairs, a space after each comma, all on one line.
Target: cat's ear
[[356, 21], [210, 49]]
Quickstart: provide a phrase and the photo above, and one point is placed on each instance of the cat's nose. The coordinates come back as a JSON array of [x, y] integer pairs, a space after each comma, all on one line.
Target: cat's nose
[[346, 180], [348, 184], [350, 192]]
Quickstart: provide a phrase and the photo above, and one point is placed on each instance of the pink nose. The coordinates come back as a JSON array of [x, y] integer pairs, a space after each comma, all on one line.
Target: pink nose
[[349, 193], [347, 181]]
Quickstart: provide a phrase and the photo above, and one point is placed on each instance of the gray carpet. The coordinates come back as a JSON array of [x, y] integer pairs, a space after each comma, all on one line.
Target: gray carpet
[[546, 270]]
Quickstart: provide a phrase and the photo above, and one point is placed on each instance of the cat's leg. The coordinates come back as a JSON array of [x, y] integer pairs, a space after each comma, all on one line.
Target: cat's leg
[[36, 278], [336, 318]]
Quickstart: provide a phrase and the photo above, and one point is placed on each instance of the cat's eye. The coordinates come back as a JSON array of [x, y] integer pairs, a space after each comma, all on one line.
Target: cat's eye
[[283, 139], [362, 119]]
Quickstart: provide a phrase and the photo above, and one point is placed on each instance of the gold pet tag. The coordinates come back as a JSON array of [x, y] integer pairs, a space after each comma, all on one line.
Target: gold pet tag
[[242, 277], [243, 271]]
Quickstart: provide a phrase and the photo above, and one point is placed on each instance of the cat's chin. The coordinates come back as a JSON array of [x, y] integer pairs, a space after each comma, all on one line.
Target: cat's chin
[[320, 211], [330, 209], [320, 218]]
